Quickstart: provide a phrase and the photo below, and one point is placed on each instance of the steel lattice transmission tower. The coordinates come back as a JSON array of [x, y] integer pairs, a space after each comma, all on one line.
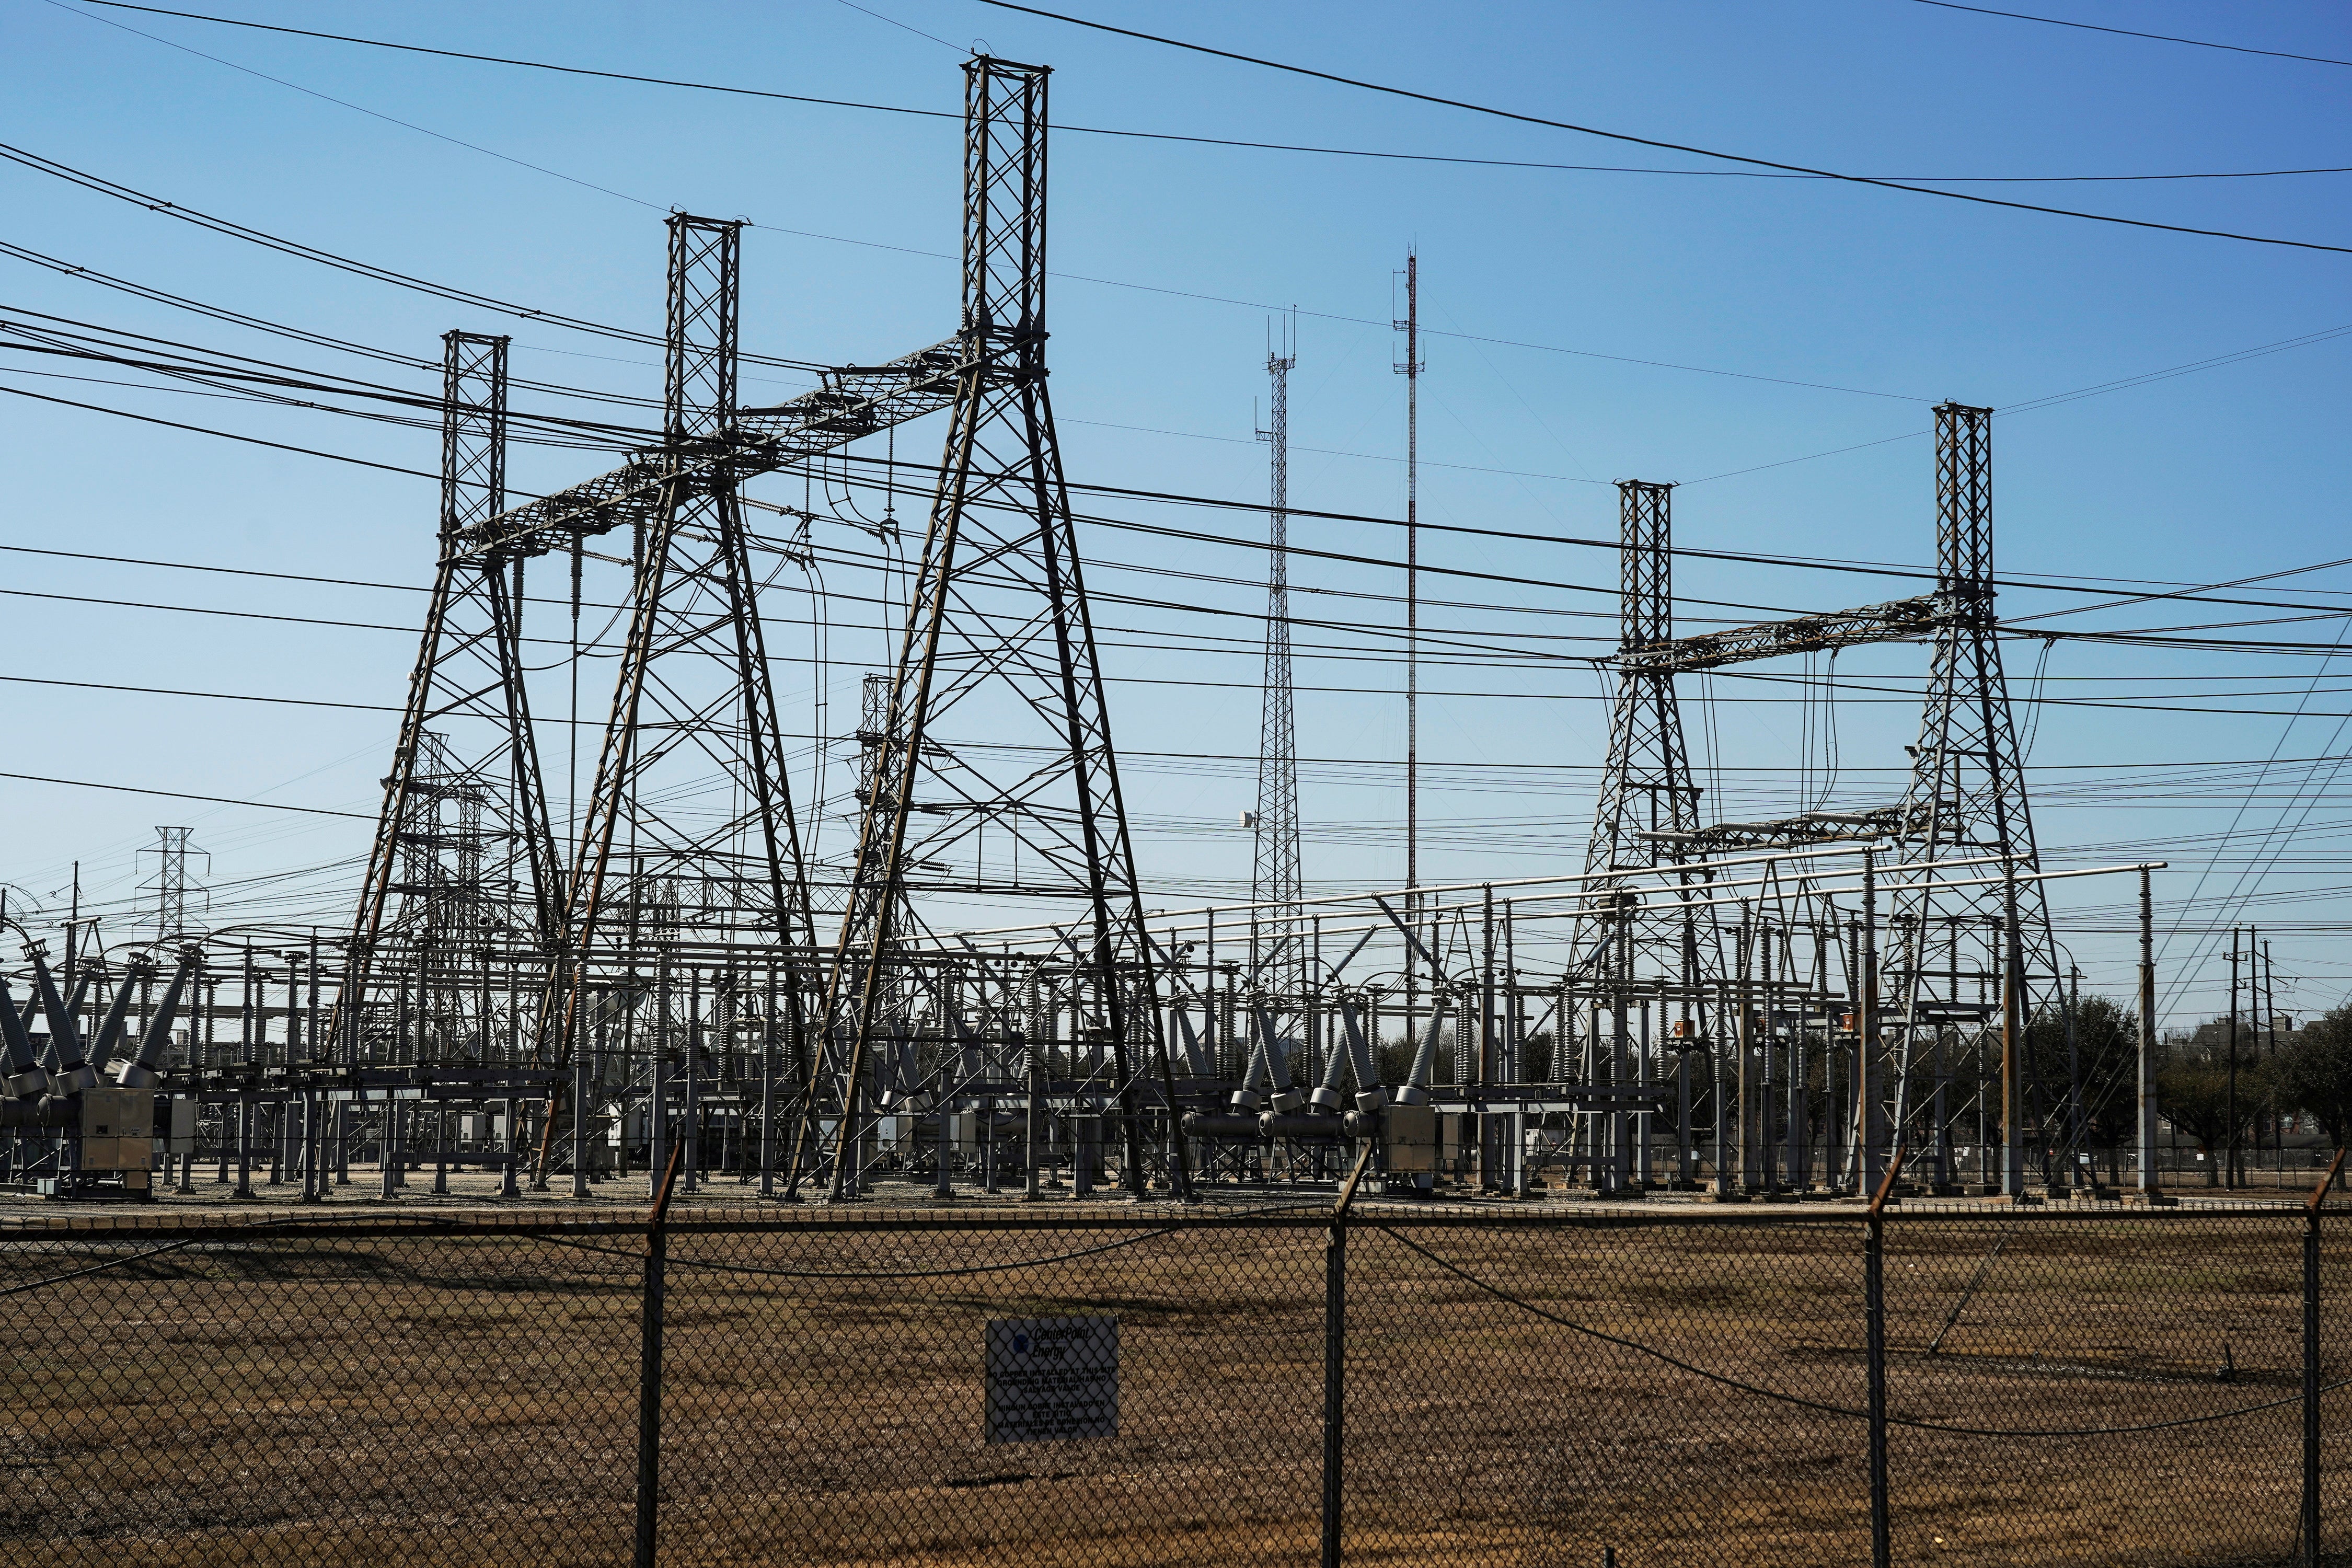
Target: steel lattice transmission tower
[[999, 636], [171, 885], [690, 783], [465, 732], [1967, 796], [1277, 941], [1648, 806]]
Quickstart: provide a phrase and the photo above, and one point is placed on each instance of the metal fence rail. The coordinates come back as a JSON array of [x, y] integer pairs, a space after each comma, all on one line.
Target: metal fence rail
[[1395, 1385]]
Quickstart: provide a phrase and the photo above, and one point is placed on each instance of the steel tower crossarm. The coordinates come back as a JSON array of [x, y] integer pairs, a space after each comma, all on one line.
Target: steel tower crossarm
[[1787, 832], [853, 402], [1899, 620]]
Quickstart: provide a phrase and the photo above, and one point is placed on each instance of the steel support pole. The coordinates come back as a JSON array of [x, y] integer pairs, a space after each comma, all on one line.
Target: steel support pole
[[2311, 1376], [246, 1105], [1685, 1155], [1744, 1042], [1881, 1548], [2229, 1142], [1865, 1029], [2311, 1382], [306, 1147], [649, 1367], [1335, 1378], [2147, 1104], [2012, 1072], [1033, 1181], [516, 1141], [582, 1081], [768, 1094], [657, 1138], [386, 1167]]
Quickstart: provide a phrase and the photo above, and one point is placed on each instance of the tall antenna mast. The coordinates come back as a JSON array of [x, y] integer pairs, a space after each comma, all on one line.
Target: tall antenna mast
[[1411, 370], [1276, 881]]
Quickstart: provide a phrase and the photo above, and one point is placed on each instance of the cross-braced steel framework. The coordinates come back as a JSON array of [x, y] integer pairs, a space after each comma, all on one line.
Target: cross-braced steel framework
[[1277, 937], [997, 632], [1648, 803], [690, 783], [1967, 799], [171, 885], [1966, 954], [464, 802], [1701, 982]]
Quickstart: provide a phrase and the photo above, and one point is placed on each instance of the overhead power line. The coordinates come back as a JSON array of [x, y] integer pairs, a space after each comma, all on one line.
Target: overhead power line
[[1173, 498], [381, 274], [276, 329], [368, 269], [183, 795], [363, 109], [1666, 146], [2131, 33], [223, 435], [1175, 136]]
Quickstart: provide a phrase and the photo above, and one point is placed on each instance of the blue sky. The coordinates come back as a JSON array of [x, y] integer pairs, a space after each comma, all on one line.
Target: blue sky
[[1170, 256]]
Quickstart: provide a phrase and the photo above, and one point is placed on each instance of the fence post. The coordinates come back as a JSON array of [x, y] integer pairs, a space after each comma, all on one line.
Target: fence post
[[1874, 1299], [649, 1365], [2311, 1362], [1335, 1357]]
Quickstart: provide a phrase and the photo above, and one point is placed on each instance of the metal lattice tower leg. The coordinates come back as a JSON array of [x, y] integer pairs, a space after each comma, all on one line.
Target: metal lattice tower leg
[[1967, 796], [999, 636], [1645, 785], [693, 687], [1278, 940], [466, 739]]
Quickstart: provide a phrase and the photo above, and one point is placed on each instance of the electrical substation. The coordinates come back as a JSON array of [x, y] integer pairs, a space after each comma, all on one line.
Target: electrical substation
[[982, 997], [797, 924]]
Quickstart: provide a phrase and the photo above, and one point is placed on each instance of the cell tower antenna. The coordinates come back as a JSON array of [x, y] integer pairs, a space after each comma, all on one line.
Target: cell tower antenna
[[1276, 884], [1410, 325]]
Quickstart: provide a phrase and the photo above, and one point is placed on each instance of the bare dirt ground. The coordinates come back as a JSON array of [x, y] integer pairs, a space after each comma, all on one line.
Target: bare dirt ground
[[420, 1383]]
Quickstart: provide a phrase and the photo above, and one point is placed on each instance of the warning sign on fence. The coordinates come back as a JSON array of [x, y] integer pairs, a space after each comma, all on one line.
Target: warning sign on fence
[[1051, 1378]]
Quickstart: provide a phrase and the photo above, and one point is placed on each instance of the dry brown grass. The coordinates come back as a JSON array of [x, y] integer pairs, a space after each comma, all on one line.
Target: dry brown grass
[[471, 1398]]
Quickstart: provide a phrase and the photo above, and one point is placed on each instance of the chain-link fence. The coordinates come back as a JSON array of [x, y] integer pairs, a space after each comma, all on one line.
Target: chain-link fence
[[1405, 1386]]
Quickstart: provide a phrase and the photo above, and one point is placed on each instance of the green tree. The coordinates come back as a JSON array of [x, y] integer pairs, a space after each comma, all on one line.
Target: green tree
[[2312, 1072], [2106, 1054], [2193, 1091]]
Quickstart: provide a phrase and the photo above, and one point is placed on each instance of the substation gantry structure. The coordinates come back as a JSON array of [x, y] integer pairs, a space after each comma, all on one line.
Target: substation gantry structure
[[1901, 1049], [664, 969]]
